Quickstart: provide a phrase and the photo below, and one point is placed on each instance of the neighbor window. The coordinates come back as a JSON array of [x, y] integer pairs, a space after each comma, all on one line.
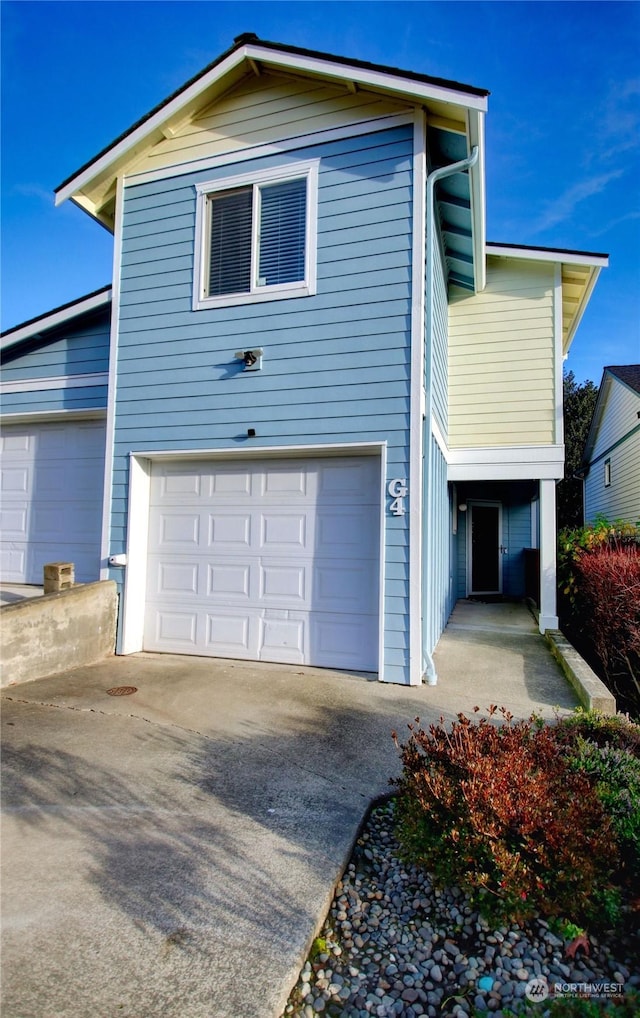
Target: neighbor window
[[607, 473], [256, 237]]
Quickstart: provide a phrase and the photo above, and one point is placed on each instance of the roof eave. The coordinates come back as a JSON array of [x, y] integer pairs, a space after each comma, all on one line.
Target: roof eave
[[35, 327], [288, 59]]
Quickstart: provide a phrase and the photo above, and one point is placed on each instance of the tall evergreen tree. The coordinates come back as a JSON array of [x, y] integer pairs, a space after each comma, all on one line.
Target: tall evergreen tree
[[579, 404]]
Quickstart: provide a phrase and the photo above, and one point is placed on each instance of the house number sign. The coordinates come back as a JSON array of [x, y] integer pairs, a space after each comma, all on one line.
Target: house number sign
[[397, 488]]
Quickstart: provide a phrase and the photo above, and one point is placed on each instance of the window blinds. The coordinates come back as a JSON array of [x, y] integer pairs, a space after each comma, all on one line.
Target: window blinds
[[283, 216]]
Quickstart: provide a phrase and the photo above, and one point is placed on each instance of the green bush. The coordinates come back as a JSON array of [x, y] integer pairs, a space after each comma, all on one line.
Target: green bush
[[501, 810], [607, 749]]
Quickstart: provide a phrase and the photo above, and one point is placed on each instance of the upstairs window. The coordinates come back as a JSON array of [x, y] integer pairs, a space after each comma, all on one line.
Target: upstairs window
[[255, 237]]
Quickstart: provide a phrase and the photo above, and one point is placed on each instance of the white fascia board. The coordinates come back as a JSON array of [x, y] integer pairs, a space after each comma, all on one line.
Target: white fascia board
[[133, 139], [378, 80], [55, 318], [42, 416], [475, 121], [546, 255]]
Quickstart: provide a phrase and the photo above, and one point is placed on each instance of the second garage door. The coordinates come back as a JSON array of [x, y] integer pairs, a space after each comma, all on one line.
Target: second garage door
[[51, 484], [273, 560]]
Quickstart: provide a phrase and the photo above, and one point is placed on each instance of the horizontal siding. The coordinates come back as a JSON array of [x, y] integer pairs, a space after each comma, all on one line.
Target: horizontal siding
[[89, 397], [336, 365], [264, 111], [440, 344], [621, 499], [501, 358], [78, 349]]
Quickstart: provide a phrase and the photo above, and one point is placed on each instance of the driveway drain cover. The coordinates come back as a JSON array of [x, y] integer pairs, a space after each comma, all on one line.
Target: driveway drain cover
[[122, 690]]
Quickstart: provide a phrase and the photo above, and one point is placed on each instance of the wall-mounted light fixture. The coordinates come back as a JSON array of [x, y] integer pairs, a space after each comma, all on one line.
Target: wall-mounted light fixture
[[463, 507], [251, 359]]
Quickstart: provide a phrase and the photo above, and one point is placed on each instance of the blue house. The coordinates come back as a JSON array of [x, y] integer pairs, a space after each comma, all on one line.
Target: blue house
[[315, 407]]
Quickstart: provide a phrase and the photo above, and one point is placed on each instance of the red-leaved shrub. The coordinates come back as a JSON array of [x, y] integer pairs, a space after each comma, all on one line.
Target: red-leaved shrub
[[500, 811], [608, 581]]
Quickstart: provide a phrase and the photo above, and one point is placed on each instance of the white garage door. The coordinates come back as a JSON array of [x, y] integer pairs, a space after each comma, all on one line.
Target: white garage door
[[51, 482], [272, 560]]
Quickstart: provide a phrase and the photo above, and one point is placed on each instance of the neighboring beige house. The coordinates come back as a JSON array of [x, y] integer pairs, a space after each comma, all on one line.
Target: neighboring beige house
[[611, 458]]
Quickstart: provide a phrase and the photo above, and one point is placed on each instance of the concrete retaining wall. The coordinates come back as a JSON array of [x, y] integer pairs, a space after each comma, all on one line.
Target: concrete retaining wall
[[57, 632], [592, 692]]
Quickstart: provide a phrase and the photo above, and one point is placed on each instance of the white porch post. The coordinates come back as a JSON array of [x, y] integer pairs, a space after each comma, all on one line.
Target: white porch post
[[548, 583]]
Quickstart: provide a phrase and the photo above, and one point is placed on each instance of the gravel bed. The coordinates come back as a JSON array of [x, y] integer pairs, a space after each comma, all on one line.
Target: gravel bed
[[394, 945]]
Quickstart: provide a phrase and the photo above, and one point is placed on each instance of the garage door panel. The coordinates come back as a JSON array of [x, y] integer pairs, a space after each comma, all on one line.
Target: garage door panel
[[229, 635], [343, 586], [283, 532], [12, 562], [176, 628], [13, 445], [337, 643], [178, 530], [285, 559], [282, 640], [229, 531], [290, 482], [229, 483], [231, 581], [13, 522], [283, 584], [14, 481], [347, 531], [346, 479]]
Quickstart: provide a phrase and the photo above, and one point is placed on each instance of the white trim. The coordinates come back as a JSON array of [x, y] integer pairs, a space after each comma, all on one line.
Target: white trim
[[548, 618], [42, 416], [135, 576], [55, 318], [274, 148], [439, 437], [383, 559], [111, 391], [558, 358], [543, 255], [266, 452], [54, 382], [303, 288], [379, 80], [140, 467], [477, 189], [418, 268]]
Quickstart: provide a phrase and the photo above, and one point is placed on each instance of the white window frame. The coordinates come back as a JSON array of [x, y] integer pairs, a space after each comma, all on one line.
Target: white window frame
[[279, 291], [607, 473]]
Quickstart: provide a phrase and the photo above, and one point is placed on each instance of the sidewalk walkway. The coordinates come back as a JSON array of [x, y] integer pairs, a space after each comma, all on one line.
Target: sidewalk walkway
[[494, 653]]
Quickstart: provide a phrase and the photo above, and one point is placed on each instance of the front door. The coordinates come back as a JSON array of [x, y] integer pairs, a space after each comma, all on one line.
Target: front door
[[485, 548]]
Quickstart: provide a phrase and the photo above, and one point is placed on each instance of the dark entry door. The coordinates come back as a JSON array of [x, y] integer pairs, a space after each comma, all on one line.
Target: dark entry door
[[486, 562]]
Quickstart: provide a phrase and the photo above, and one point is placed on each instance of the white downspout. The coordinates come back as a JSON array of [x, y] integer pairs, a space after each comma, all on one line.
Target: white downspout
[[428, 666]]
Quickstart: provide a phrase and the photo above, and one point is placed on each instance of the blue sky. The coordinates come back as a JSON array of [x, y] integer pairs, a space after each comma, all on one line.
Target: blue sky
[[563, 128]]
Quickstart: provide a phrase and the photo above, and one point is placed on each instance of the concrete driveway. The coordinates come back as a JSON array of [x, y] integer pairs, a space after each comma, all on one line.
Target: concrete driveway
[[173, 852]]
